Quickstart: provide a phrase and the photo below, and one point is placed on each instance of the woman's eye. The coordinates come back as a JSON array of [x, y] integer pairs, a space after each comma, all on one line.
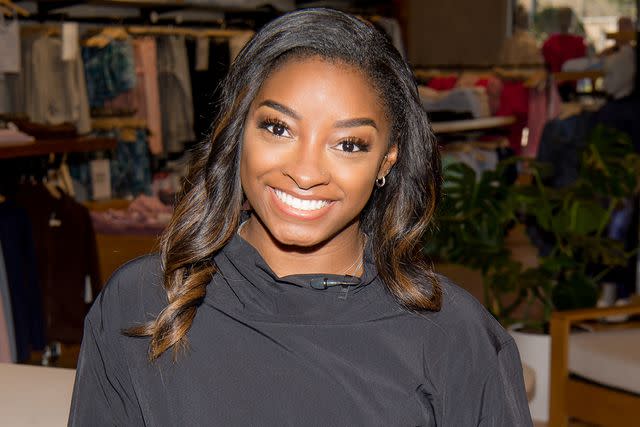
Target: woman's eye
[[351, 146], [276, 128]]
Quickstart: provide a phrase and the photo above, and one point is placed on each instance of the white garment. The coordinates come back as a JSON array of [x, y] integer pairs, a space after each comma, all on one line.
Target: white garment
[[9, 46], [56, 90], [460, 100], [620, 72], [176, 99]]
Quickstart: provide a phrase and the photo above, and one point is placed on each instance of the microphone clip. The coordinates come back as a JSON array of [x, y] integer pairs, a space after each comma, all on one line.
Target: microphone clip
[[322, 283]]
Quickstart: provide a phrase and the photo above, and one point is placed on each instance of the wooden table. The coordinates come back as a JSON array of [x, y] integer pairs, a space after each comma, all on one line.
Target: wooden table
[[456, 126]]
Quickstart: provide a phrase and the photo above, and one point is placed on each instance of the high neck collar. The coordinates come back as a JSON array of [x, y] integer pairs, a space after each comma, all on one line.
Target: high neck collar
[[246, 287], [247, 260]]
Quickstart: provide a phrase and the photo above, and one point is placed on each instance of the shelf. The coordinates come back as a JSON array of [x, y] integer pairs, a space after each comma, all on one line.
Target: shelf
[[572, 76], [43, 147], [455, 126]]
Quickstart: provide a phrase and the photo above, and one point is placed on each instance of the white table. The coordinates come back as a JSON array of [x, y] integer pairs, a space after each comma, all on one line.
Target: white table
[[33, 396]]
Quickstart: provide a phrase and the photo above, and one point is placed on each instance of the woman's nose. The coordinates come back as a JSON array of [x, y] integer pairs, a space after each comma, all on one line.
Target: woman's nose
[[307, 165]]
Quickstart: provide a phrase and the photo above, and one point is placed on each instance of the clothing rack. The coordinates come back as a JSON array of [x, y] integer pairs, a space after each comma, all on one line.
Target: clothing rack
[[158, 30]]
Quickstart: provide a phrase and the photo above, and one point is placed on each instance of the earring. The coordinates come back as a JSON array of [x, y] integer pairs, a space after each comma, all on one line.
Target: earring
[[380, 182]]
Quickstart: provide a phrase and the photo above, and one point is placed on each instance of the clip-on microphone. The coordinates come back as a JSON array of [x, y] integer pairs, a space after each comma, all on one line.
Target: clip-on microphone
[[325, 282]]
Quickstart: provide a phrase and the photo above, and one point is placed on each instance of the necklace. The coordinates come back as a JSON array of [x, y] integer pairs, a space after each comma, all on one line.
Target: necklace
[[359, 261]]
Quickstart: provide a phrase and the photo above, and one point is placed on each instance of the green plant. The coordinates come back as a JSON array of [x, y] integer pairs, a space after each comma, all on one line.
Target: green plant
[[477, 212]]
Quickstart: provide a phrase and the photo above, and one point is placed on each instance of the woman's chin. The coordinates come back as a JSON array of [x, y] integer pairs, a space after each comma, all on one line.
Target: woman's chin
[[287, 237]]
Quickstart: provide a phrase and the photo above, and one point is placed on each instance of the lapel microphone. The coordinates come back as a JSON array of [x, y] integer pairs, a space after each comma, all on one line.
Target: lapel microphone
[[326, 282]]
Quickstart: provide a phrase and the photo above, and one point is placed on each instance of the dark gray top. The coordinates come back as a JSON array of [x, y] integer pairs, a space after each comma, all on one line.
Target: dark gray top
[[269, 351]]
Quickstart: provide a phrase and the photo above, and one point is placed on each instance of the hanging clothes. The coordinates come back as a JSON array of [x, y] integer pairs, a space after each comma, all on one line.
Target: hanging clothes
[[55, 90], [7, 332], [130, 163], [130, 166], [10, 61], [67, 259], [176, 102], [110, 71], [204, 83], [544, 105], [143, 100], [520, 49], [20, 265], [514, 101], [559, 48], [148, 93], [237, 42]]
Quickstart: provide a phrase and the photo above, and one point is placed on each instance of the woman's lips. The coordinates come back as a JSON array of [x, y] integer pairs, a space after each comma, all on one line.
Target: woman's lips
[[300, 208]]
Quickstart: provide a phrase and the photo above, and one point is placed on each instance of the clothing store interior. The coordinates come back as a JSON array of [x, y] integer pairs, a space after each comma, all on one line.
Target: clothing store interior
[[534, 105]]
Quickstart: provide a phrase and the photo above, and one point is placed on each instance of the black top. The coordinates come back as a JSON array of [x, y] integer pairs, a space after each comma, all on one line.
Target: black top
[[269, 351]]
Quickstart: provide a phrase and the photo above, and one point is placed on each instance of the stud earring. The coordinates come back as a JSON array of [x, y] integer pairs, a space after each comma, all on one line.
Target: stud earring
[[380, 182]]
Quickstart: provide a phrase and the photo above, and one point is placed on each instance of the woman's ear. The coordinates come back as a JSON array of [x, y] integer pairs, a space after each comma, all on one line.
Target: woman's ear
[[388, 161]]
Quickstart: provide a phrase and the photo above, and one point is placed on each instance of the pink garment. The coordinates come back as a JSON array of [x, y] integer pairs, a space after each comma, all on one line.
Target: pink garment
[[145, 215], [148, 92], [5, 345], [145, 97], [544, 105]]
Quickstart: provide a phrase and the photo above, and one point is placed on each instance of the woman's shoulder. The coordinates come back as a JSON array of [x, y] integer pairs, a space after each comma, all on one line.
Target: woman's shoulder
[[134, 294], [462, 318]]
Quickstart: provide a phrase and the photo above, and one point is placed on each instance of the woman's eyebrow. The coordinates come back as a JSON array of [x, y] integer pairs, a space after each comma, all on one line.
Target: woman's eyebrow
[[279, 107], [347, 123], [352, 123]]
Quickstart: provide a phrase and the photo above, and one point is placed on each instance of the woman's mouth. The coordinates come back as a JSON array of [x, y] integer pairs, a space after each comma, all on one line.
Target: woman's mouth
[[300, 204]]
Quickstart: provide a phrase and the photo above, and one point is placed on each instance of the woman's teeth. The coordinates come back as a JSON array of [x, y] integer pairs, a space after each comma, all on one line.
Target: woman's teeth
[[300, 204]]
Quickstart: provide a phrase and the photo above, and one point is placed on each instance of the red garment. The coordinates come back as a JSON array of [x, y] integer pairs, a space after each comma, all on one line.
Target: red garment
[[559, 48], [443, 83], [514, 101]]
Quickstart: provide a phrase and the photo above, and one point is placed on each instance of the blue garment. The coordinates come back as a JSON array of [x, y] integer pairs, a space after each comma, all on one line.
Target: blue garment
[[562, 144], [109, 71], [22, 274], [130, 166]]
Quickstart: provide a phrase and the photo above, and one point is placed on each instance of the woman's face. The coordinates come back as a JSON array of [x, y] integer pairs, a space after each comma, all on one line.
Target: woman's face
[[315, 139]]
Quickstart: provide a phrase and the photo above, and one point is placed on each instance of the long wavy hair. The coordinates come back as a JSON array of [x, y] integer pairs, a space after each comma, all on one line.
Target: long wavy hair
[[208, 210]]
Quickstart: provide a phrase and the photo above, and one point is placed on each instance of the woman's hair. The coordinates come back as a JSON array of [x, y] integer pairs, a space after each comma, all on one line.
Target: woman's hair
[[395, 218]]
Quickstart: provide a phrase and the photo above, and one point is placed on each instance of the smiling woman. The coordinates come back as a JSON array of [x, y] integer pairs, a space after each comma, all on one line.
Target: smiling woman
[[316, 306]]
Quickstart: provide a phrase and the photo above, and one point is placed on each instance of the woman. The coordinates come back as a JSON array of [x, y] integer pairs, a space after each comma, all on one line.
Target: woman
[[317, 307]]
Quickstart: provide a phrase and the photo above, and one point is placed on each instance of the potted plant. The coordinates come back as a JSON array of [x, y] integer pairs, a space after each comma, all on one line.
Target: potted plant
[[478, 211]]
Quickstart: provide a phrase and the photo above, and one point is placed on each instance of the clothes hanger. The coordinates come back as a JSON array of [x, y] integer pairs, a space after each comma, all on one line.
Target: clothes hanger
[[13, 8], [106, 36]]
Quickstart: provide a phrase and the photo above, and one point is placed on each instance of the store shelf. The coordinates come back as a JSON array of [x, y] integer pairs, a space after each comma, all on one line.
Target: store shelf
[[455, 126], [42, 147], [572, 76]]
